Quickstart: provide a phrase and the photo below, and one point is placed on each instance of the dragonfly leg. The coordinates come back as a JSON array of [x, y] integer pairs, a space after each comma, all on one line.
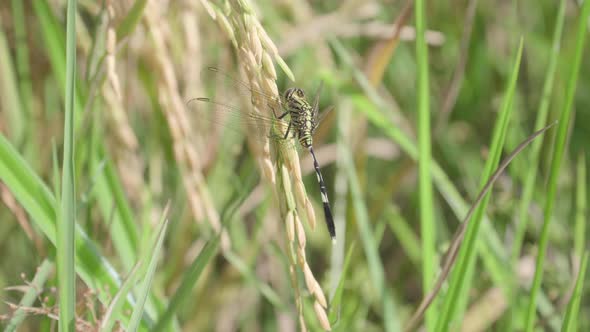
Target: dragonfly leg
[[288, 130], [279, 116]]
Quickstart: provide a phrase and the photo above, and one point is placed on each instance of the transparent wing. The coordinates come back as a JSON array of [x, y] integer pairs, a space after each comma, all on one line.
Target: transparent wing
[[222, 114], [232, 120], [320, 117], [231, 85], [316, 101], [317, 116]]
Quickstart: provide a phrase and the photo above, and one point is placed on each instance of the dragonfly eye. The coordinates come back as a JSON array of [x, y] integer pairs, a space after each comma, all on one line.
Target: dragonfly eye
[[294, 95], [289, 93]]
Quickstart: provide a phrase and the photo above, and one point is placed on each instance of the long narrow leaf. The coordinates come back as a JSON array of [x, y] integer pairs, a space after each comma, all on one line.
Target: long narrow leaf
[[66, 271], [114, 309], [375, 265], [336, 301], [560, 144], [189, 279], [131, 20], [427, 227], [40, 204], [529, 183], [581, 206], [9, 96], [151, 256], [374, 110], [570, 321], [457, 238], [460, 280]]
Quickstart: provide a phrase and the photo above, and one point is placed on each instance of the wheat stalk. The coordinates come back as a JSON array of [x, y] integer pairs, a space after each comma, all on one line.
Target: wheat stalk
[[127, 159], [173, 106], [256, 54]]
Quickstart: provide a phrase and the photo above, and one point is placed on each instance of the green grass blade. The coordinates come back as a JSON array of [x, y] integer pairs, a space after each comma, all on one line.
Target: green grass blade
[[53, 37], [581, 206], [28, 189], [570, 321], [542, 113], [114, 310], [269, 294], [451, 253], [151, 256], [40, 204], [560, 143], [492, 251], [22, 60], [461, 276], [9, 96], [124, 232], [337, 256], [189, 279], [43, 273], [427, 228], [66, 272], [113, 203], [491, 248], [370, 246], [131, 20], [336, 301], [405, 235]]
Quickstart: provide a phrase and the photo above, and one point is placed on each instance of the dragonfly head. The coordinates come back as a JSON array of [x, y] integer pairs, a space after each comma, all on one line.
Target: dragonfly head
[[294, 96]]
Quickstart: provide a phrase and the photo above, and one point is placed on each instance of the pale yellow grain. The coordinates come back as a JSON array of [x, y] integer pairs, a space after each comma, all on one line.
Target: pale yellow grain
[[309, 278], [311, 219], [268, 66], [319, 295], [290, 226], [300, 232], [322, 316]]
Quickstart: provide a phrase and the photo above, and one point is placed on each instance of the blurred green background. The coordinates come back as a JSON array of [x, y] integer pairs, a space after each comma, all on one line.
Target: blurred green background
[[138, 146]]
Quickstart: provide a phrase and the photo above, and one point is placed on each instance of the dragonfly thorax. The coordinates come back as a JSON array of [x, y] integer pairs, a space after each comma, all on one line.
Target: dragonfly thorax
[[302, 115]]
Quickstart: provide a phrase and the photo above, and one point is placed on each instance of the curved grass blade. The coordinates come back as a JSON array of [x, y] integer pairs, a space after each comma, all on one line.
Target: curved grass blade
[[571, 314], [114, 309], [32, 193], [9, 96], [336, 301], [113, 203], [370, 247], [559, 151], [491, 248], [453, 250], [456, 298], [262, 287], [131, 20], [151, 256], [581, 207], [189, 279], [542, 114]]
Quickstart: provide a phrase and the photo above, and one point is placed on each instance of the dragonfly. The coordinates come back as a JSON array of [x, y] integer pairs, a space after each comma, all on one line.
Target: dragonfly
[[294, 111]]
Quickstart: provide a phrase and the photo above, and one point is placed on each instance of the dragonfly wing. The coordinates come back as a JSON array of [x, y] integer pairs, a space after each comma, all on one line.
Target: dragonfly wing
[[231, 85], [321, 117], [222, 116], [317, 100]]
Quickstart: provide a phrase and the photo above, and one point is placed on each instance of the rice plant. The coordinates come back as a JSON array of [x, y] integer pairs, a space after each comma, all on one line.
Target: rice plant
[[451, 138]]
